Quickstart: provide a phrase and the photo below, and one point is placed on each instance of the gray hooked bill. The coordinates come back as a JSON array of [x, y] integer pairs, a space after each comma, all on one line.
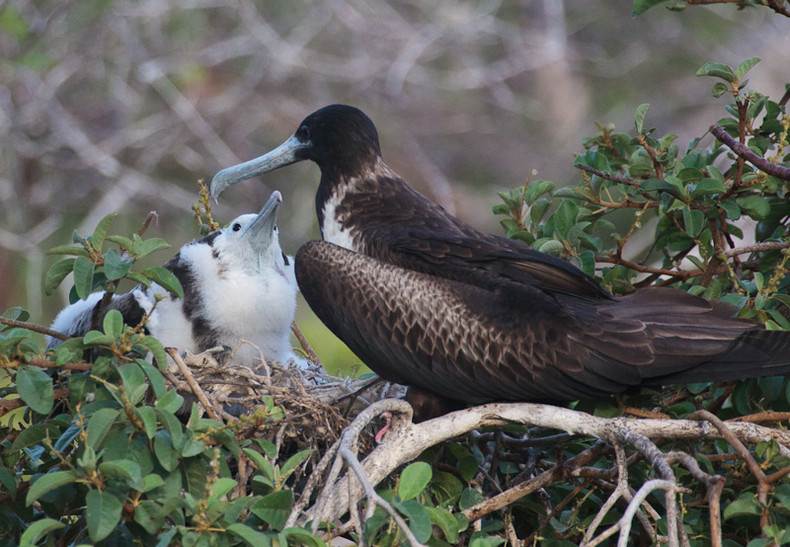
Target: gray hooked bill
[[259, 232], [283, 155]]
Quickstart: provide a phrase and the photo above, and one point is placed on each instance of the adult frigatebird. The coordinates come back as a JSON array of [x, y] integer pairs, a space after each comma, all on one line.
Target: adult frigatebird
[[426, 300], [238, 285]]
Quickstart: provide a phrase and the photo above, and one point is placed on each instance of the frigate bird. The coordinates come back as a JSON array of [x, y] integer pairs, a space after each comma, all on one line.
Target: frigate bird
[[238, 285], [464, 317]]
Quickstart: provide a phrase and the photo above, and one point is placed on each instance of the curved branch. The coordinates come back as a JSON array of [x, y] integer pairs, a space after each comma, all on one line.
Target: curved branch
[[406, 440], [743, 151]]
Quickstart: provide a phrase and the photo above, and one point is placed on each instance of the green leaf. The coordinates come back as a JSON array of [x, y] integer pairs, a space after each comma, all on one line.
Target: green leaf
[[37, 530], [294, 461], [263, 465], [165, 279], [641, 6], [274, 508], [221, 487], [165, 453], [745, 505], [150, 245], [34, 434], [83, 276], [707, 187], [746, 66], [297, 536], [252, 537], [96, 338], [731, 208], [68, 250], [57, 273], [35, 388], [47, 483], [102, 514], [468, 498], [639, 116], [113, 323], [446, 522], [126, 470], [156, 348], [719, 89], [124, 242], [717, 70], [413, 480], [694, 221], [97, 239], [150, 516], [134, 382], [148, 416], [99, 425], [170, 401], [565, 217], [756, 207], [419, 519], [116, 265]]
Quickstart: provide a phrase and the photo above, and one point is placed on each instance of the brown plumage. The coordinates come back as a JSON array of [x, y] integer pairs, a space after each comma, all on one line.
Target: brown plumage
[[426, 300]]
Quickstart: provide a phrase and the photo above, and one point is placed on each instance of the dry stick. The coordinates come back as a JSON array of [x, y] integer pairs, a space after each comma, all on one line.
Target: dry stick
[[758, 248], [308, 349], [33, 327], [743, 452], [744, 152], [173, 352], [541, 481], [373, 496], [46, 363], [760, 417], [669, 487], [715, 484]]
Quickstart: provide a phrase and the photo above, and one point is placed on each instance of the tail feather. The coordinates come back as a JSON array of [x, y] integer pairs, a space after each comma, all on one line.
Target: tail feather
[[754, 354]]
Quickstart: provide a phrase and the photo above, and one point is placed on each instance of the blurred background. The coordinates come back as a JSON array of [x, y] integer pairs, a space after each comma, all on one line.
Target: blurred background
[[120, 106]]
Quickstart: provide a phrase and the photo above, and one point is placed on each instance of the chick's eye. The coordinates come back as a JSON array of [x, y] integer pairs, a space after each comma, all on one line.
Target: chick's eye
[[236, 227]]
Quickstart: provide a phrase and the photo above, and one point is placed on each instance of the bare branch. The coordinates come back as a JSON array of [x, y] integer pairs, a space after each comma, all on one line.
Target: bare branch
[[744, 152]]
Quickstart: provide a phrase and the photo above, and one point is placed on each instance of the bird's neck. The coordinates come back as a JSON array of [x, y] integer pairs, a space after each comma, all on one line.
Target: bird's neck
[[361, 191]]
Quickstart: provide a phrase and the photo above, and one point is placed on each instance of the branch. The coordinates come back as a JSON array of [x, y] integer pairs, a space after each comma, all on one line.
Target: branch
[[33, 327], [406, 441], [743, 151], [173, 353]]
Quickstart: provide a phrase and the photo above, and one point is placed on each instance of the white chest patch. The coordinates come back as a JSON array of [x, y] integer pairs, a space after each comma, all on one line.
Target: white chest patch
[[332, 228]]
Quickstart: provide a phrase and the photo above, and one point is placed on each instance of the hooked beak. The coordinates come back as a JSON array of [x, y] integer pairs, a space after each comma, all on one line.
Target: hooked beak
[[259, 232], [283, 155]]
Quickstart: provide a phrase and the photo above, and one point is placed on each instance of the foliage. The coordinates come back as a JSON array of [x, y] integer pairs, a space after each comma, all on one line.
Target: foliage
[[102, 453]]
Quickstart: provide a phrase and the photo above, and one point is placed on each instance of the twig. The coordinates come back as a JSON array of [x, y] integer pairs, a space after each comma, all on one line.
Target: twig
[[308, 349], [370, 492], [744, 152], [196, 389], [758, 248], [33, 327], [743, 452]]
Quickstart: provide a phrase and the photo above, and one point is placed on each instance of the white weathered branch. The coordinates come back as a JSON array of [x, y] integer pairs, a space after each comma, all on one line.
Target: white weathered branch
[[407, 440]]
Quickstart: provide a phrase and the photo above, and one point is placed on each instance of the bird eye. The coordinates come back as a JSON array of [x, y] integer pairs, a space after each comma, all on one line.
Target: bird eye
[[303, 134], [236, 227]]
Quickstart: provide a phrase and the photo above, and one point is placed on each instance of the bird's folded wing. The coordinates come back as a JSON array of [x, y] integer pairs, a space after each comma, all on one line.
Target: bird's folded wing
[[462, 341], [454, 254]]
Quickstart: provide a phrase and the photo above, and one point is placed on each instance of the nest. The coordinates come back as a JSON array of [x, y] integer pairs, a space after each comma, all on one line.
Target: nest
[[317, 406]]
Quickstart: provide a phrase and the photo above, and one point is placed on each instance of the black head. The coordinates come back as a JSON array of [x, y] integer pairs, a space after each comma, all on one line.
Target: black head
[[340, 139]]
